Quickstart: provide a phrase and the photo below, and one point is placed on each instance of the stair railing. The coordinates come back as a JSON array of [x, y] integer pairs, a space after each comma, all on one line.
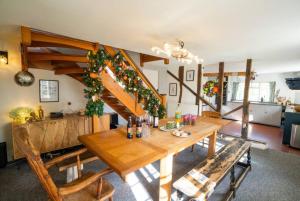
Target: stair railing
[[161, 97]]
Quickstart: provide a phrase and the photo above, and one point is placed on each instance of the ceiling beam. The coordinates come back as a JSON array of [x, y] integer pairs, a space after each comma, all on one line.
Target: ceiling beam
[[56, 57], [26, 36], [148, 58], [68, 70], [45, 37], [226, 74]]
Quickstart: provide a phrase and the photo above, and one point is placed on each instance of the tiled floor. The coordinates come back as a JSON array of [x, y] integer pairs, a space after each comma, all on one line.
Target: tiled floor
[[268, 134]]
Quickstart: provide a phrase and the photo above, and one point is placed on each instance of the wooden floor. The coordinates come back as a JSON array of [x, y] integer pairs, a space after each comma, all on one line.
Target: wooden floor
[[268, 134]]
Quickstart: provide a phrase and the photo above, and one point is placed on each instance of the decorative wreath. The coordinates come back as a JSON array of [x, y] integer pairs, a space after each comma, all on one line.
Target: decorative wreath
[[210, 88]]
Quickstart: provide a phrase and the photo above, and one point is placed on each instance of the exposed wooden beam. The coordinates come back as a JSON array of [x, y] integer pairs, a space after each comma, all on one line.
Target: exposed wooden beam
[[226, 74], [245, 117], [232, 111], [26, 41], [46, 37], [148, 58], [181, 77], [24, 57], [56, 57], [110, 50], [26, 36], [68, 70], [199, 82], [220, 87], [192, 91]]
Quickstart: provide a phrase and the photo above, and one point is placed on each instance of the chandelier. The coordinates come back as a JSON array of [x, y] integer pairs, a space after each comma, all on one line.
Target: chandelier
[[176, 49]]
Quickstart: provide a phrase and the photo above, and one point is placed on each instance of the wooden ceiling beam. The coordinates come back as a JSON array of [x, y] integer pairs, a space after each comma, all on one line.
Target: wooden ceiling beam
[[148, 58], [56, 57], [25, 42], [45, 37], [226, 74], [68, 70], [26, 36]]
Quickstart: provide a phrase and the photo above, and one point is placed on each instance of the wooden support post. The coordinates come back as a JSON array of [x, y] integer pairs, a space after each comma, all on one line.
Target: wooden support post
[[245, 118], [165, 181], [180, 76], [199, 87], [220, 85], [212, 144]]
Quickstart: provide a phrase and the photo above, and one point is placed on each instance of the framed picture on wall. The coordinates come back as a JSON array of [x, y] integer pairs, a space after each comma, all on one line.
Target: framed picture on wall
[[173, 89], [49, 91], [190, 75]]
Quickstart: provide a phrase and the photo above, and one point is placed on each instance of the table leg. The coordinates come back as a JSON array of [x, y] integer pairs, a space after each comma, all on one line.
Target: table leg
[[165, 181], [212, 144]]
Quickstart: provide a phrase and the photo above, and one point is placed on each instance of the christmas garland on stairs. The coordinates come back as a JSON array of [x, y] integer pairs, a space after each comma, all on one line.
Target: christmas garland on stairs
[[124, 74]]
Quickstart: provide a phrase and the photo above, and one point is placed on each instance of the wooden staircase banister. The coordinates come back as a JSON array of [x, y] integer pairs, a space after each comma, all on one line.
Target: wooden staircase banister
[[141, 74], [111, 85]]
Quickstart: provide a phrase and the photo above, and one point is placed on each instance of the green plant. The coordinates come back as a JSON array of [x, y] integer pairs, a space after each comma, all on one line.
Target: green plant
[[94, 85], [20, 114]]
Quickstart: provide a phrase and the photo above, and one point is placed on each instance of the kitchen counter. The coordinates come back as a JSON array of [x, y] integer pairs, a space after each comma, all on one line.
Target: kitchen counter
[[262, 113]]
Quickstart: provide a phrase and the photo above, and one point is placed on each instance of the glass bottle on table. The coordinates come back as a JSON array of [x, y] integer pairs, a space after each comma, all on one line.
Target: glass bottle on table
[[155, 118], [138, 123], [146, 125], [129, 128], [178, 116]]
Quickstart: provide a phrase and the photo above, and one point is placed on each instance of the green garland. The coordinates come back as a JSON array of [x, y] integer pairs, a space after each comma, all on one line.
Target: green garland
[[94, 85], [128, 77]]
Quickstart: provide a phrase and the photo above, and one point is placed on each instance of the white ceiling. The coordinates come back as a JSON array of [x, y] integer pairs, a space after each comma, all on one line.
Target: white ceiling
[[268, 31]]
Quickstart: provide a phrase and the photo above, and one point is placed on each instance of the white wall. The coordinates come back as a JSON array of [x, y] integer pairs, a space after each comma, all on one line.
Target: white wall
[[152, 76]]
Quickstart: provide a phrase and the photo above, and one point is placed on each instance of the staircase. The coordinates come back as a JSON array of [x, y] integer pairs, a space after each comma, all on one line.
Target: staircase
[[45, 50]]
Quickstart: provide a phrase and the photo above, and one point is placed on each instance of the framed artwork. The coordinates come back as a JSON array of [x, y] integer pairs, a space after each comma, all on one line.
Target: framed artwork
[[173, 89], [190, 75], [49, 91]]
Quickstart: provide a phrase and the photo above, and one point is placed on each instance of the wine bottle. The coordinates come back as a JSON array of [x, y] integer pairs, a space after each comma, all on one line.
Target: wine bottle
[[129, 128], [138, 128], [155, 119]]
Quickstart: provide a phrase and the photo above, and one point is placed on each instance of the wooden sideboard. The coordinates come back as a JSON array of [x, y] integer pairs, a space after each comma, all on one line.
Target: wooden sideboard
[[55, 134]]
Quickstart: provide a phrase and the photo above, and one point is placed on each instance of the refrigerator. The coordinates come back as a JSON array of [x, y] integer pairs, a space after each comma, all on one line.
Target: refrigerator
[[295, 136]]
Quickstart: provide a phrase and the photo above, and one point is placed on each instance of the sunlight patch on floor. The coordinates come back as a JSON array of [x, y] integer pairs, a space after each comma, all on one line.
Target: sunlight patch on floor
[[153, 171], [145, 174], [137, 188]]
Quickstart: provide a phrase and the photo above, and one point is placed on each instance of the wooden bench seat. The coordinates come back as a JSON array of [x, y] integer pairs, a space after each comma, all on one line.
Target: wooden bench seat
[[200, 182]]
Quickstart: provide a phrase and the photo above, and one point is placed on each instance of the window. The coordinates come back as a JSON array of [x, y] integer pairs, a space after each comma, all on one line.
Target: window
[[259, 91]]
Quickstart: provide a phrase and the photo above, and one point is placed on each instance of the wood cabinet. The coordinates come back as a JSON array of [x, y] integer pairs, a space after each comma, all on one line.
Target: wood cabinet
[[56, 134]]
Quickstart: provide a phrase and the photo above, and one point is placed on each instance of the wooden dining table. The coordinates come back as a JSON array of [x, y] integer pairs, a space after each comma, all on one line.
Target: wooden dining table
[[125, 156]]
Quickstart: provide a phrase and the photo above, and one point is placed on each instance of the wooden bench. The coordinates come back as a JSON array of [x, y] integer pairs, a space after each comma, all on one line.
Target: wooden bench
[[201, 181]]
